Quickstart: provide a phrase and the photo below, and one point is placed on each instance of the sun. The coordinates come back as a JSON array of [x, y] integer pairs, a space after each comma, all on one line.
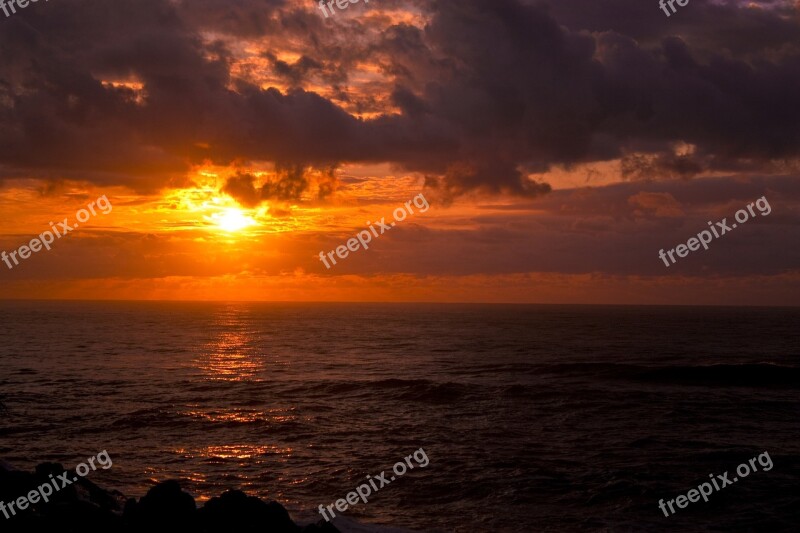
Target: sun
[[232, 219]]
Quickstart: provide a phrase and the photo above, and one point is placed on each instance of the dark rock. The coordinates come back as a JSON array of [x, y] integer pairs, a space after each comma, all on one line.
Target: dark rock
[[235, 511], [83, 507], [164, 505], [320, 527], [80, 506]]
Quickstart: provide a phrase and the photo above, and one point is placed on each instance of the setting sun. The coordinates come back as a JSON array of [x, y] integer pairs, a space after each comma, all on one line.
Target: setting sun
[[233, 219]]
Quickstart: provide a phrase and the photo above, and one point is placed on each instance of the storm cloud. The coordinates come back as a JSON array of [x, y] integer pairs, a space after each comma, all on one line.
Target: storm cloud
[[479, 97]]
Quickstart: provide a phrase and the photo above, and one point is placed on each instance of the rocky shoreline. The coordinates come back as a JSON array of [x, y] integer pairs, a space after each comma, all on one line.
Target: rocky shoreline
[[83, 506]]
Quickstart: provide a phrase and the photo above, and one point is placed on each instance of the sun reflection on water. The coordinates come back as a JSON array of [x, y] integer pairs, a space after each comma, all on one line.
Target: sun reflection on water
[[230, 358], [232, 354], [245, 416], [237, 412], [236, 451]]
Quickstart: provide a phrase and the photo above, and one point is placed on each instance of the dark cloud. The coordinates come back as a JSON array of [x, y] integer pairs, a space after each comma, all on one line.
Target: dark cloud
[[530, 90], [740, 27], [288, 183], [493, 177], [295, 73], [242, 188], [488, 91], [240, 18], [661, 166]]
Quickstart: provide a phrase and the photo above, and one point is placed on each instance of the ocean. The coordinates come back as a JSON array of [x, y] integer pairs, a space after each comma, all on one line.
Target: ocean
[[534, 418]]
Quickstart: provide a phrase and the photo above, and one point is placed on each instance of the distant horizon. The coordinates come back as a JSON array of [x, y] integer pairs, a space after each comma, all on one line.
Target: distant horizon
[[322, 302]]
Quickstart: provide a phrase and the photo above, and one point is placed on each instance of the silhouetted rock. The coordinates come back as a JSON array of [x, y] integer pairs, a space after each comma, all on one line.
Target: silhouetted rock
[[320, 527], [235, 511], [80, 506], [165, 505], [84, 507]]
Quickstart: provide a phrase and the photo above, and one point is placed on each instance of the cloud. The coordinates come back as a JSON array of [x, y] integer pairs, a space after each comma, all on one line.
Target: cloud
[[290, 184], [286, 184], [661, 165], [477, 98], [660, 204]]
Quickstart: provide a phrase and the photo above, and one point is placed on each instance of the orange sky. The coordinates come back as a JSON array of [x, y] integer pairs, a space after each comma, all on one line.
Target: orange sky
[[241, 139]]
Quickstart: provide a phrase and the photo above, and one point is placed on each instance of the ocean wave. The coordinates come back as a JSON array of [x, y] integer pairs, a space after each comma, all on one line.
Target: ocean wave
[[747, 375], [419, 390]]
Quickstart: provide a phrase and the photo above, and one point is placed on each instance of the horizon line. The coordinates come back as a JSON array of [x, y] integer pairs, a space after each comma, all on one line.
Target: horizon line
[[409, 302]]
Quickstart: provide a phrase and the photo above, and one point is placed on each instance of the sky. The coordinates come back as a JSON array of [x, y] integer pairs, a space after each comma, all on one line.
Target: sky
[[560, 146]]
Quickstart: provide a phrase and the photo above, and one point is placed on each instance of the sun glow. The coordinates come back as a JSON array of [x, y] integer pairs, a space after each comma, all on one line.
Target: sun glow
[[232, 219]]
